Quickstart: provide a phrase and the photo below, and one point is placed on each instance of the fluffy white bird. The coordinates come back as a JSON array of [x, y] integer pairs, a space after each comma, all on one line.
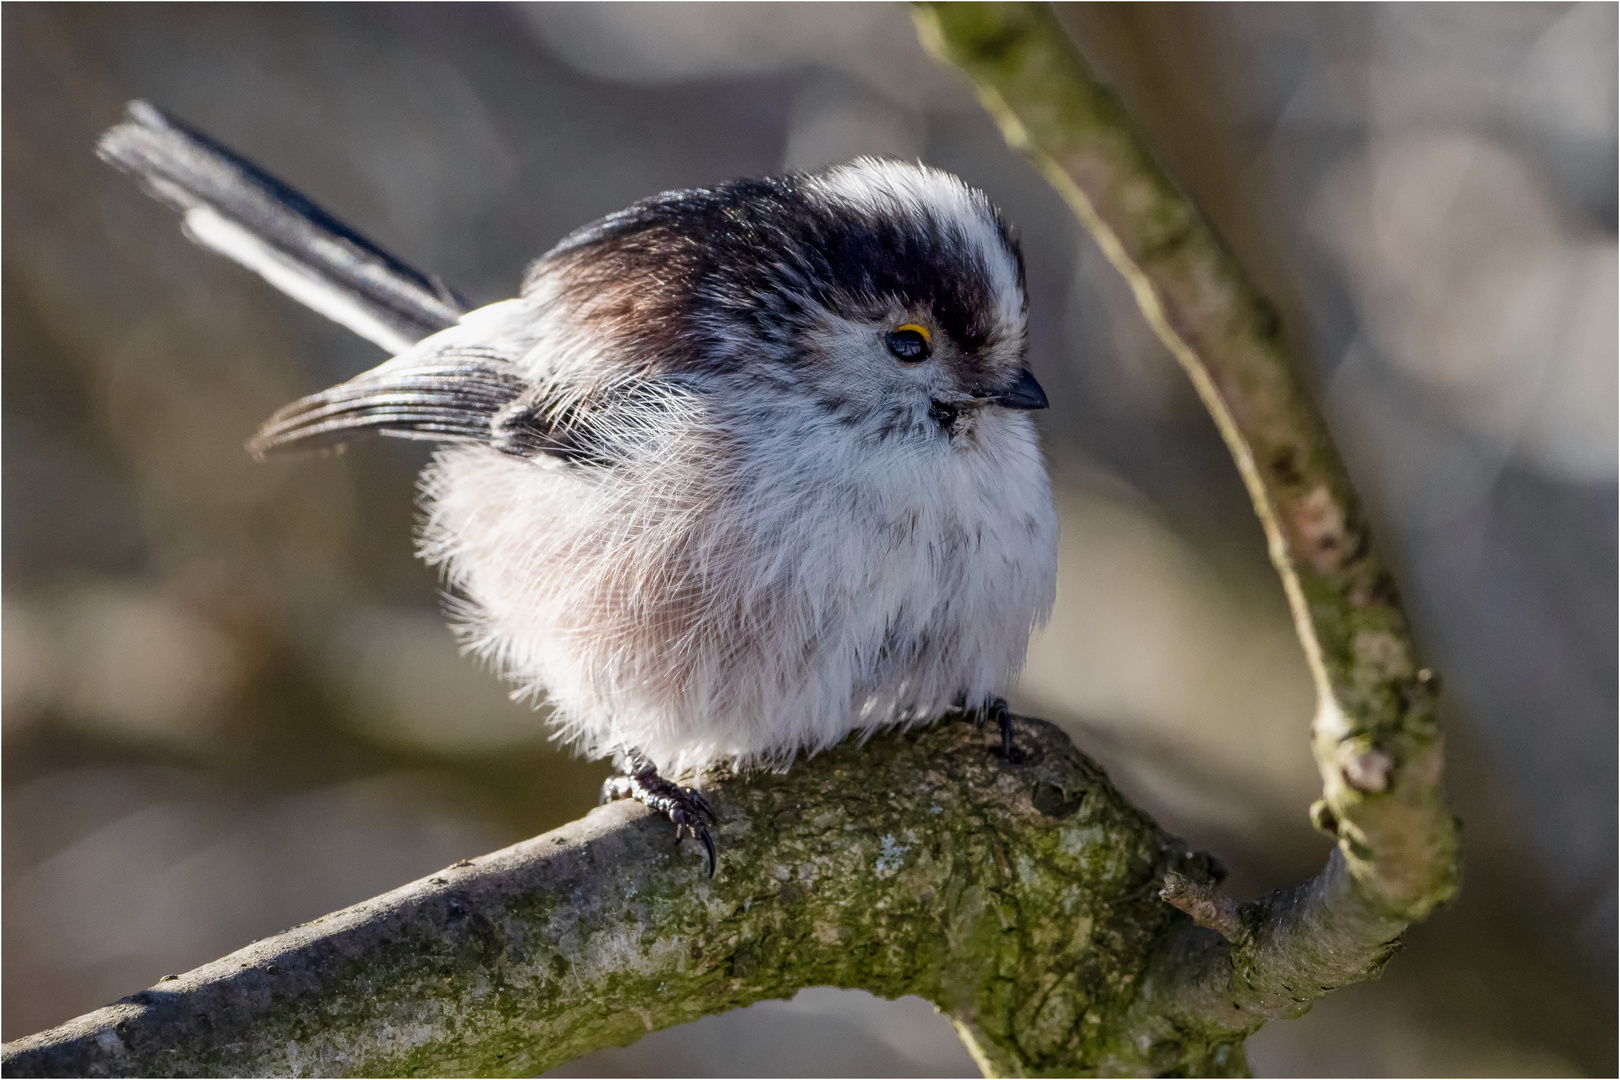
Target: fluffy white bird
[[740, 471]]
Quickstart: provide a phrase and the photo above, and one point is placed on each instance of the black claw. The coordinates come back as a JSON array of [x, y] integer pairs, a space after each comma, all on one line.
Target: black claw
[[708, 847], [997, 710], [687, 809]]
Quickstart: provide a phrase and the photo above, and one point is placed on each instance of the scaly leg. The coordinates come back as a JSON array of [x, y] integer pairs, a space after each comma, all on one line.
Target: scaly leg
[[689, 811]]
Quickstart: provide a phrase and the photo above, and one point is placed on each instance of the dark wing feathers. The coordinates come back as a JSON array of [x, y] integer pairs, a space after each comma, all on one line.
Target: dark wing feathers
[[448, 398], [442, 399]]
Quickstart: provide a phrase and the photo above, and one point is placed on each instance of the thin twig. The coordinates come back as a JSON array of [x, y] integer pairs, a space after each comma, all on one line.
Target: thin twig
[[1375, 737]]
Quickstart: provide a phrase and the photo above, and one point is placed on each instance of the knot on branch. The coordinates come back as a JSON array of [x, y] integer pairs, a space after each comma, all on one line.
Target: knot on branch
[[1208, 906], [1369, 772]]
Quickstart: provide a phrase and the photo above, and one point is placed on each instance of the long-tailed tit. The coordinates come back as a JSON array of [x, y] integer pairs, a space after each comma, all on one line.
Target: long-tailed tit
[[740, 471]]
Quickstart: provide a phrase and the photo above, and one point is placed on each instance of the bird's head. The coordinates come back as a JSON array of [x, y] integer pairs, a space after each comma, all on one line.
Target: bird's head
[[888, 296]]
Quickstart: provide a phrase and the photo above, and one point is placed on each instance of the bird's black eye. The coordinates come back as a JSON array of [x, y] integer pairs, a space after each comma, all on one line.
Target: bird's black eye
[[910, 343]]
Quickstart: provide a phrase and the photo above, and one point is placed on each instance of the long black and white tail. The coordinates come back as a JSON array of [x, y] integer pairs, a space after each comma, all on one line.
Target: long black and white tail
[[242, 212]]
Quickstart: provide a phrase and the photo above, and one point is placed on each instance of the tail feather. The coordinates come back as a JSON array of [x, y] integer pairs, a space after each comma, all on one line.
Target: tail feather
[[444, 391], [237, 209]]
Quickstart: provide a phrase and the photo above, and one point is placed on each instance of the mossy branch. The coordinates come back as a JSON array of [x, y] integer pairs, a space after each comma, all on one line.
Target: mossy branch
[[1374, 736], [1022, 899], [1060, 929]]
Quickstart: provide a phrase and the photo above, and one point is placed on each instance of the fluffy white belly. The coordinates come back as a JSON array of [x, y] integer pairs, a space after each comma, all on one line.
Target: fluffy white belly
[[757, 608]]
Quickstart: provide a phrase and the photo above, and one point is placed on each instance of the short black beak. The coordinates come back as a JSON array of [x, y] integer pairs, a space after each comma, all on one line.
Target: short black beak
[[1025, 393]]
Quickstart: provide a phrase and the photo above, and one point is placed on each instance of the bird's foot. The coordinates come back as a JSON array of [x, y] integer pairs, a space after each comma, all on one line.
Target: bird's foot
[[997, 710], [689, 811]]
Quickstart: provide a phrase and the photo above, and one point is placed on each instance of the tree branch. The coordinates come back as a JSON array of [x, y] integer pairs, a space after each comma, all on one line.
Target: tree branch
[[1022, 899], [1375, 737]]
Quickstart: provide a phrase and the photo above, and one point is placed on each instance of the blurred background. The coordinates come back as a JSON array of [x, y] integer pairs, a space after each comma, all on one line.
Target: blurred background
[[230, 702]]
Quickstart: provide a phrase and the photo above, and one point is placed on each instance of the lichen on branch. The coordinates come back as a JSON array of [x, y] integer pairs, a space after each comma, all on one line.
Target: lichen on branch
[[1022, 899]]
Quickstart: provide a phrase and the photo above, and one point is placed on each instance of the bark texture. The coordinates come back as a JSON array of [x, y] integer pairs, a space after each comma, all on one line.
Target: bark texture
[[1023, 899]]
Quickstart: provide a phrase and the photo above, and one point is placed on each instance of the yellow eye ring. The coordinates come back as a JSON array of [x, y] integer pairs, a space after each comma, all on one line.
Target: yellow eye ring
[[910, 343]]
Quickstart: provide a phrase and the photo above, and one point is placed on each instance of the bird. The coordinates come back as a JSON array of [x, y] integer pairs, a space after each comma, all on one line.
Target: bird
[[739, 472]]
